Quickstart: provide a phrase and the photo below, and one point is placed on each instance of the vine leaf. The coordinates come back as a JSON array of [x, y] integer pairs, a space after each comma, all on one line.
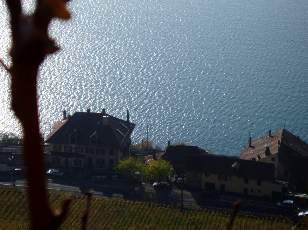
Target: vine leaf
[[59, 9]]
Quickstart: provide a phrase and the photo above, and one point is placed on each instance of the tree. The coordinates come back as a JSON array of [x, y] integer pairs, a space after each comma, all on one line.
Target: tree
[[144, 145], [9, 139], [131, 168], [158, 170]]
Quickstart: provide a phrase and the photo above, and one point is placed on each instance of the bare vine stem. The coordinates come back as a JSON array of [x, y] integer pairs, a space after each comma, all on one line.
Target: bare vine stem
[[31, 44]]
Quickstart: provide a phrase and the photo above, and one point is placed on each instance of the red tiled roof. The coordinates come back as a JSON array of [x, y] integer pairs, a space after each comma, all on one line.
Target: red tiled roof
[[273, 142]]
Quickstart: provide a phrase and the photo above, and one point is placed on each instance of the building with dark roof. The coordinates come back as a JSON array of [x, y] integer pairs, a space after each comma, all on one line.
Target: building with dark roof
[[287, 152], [177, 155], [89, 142], [224, 174]]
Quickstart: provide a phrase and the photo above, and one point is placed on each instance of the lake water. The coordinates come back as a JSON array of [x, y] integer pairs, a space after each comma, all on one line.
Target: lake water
[[202, 72]]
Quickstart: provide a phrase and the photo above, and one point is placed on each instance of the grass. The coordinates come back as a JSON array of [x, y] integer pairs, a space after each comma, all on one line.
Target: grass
[[111, 213]]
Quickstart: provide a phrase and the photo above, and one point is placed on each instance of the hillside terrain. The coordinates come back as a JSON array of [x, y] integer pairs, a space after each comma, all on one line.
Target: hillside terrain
[[112, 213]]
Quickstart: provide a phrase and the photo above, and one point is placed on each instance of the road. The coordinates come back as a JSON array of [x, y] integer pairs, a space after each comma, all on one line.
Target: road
[[58, 187], [51, 185]]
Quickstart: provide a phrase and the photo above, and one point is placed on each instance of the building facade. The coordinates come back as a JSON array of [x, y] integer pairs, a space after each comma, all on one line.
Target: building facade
[[89, 143], [287, 152], [223, 174]]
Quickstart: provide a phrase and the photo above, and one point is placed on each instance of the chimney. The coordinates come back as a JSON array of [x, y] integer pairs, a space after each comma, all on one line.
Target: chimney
[[104, 112], [270, 133], [169, 143], [88, 110], [105, 120], [64, 115], [250, 145], [267, 151], [127, 115]]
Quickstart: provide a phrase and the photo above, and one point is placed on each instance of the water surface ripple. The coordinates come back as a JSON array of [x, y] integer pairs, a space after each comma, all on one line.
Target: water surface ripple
[[203, 72]]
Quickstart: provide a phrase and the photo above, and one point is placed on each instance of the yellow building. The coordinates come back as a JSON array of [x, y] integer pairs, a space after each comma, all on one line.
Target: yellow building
[[222, 174]]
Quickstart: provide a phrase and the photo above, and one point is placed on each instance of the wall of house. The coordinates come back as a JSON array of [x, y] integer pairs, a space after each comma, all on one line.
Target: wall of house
[[274, 159], [239, 185], [94, 157]]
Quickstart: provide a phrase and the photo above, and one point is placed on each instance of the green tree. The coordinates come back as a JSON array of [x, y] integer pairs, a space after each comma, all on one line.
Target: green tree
[[158, 170], [9, 139], [131, 168]]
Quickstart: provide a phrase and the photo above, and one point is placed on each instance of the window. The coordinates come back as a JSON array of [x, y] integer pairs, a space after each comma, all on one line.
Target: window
[[93, 138], [100, 151], [246, 180], [77, 163], [91, 150], [100, 163], [111, 152], [57, 148], [76, 149], [273, 159], [73, 139], [56, 160], [222, 177], [209, 187], [259, 182], [111, 163], [222, 188], [67, 149]]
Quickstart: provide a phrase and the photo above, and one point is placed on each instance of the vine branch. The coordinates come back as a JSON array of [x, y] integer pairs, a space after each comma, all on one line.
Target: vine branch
[[4, 65], [31, 44]]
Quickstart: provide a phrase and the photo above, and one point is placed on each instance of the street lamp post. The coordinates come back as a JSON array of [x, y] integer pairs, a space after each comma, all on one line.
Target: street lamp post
[[180, 182], [11, 158]]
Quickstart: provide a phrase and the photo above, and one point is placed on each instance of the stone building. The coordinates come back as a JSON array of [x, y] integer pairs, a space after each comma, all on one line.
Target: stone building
[[89, 143], [287, 152]]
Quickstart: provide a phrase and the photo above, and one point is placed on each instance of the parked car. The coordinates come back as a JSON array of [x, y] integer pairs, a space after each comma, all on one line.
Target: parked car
[[54, 172], [288, 207], [18, 172], [162, 185], [303, 213], [286, 204]]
